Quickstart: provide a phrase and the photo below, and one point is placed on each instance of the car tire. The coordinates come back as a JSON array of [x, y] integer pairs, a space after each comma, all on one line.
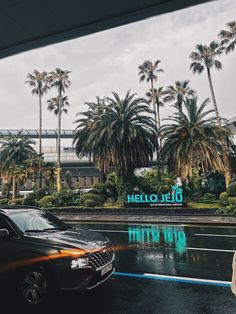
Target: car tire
[[35, 286]]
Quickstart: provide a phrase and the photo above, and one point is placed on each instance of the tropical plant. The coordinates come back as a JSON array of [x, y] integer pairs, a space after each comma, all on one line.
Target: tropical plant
[[123, 137], [34, 165], [178, 93], [85, 127], [205, 57], [15, 150], [228, 37], [193, 140], [157, 95], [54, 103], [39, 83], [149, 71], [60, 80]]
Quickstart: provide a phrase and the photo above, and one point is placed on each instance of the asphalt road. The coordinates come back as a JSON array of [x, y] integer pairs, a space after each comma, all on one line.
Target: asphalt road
[[159, 269]]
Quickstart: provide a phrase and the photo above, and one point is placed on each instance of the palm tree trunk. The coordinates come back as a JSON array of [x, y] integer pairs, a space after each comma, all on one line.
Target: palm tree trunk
[[153, 101], [227, 171], [40, 139], [14, 187], [59, 147]]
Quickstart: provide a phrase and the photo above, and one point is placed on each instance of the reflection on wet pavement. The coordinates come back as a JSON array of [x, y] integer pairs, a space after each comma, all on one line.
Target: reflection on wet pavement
[[174, 237]]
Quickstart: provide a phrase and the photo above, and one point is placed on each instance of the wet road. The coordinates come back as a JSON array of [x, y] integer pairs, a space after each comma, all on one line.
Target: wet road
[[159, 269]]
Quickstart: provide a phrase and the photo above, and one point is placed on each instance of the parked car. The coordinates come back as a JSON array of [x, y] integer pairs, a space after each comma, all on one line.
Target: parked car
[[40, 254]]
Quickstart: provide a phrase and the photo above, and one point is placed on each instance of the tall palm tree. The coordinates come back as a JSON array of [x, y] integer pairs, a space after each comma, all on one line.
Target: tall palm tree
[[38, 81], [15, 150], [192, 140], [149, 71], [158, 95], [123, 136], [205, 57], [178, 93], [228, 37], [60, 80]]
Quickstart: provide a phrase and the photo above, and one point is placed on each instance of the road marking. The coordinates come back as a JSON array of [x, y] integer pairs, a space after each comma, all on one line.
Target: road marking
[[212, 250], [215, 235], [196, 281]]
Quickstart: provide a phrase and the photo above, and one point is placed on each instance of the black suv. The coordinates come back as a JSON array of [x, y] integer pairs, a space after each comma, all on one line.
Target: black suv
[[42, 254]]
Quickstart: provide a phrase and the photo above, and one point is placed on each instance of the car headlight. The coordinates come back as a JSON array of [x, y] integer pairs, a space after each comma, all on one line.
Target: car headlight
[[79, 262]]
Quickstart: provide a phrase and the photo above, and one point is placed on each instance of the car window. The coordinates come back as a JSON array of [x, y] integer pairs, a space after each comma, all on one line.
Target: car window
[[36, 221], [5, 225]]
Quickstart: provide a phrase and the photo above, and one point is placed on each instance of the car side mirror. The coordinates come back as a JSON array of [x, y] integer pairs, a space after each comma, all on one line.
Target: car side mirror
[[4, 233]]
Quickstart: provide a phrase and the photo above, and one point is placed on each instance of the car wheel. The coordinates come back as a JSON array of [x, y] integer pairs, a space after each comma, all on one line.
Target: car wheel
[[35, 286]]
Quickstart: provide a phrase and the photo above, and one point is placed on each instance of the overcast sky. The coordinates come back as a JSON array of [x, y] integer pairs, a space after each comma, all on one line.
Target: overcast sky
[[108, 61]]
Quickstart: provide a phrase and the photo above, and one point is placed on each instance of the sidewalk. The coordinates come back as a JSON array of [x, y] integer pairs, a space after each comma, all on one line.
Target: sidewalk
[[137, 218]]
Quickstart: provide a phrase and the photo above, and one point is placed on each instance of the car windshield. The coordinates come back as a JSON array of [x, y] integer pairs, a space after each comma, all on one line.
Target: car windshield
[[37, 221]]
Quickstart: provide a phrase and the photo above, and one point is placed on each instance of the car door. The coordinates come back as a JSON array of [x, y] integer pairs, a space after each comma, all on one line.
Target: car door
[[8, 246]]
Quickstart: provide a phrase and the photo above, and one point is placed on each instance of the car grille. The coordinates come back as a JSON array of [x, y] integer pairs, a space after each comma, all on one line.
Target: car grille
[[102, 257]]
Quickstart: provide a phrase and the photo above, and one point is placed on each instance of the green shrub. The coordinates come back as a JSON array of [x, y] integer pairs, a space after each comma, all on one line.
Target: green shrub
[[209, 197], [91, 200], [30, 199], [232, 189], [16, 201], [223, 197], [47, 201], [4, 201], [64, 198], [40, 193], [232, 201], [228, 210]]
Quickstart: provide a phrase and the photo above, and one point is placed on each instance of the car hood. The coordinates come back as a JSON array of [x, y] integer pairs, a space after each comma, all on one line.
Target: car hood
[[81, 239]]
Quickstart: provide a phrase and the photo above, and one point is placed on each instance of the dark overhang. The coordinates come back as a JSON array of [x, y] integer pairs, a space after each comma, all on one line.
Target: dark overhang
[[28, 24]]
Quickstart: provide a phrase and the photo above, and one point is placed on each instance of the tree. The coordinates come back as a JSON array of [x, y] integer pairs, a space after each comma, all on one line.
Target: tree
[[39, 83], [15, 150], [228, 37], [85, 126], [193, 140], [149, 71], [158, 95], [34, 164], [205, 57], [123, 137], [178, 93], [60, 80]]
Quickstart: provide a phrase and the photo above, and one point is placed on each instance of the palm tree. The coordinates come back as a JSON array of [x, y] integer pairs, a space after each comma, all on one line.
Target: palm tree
[[33, 165], [148, 71], [205, 57], [60, 80], [15, 150], [84, 128], [228, 37], [178, 93], [192, 140], [123, 137], [38, 81], [158, 95]]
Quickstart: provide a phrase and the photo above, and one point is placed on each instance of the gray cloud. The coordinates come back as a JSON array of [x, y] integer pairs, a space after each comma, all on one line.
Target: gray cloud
[[107, 61]]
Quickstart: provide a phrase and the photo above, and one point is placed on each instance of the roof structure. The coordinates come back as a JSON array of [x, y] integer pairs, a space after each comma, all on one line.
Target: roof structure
[[33, 133], [28, 24]]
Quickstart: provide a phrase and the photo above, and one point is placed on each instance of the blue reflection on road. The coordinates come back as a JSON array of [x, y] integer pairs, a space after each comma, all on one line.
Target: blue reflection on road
[[169, 236]]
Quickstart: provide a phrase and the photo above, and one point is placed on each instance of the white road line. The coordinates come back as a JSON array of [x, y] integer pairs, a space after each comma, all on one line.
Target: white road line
[[215, 235], [213, 250]]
